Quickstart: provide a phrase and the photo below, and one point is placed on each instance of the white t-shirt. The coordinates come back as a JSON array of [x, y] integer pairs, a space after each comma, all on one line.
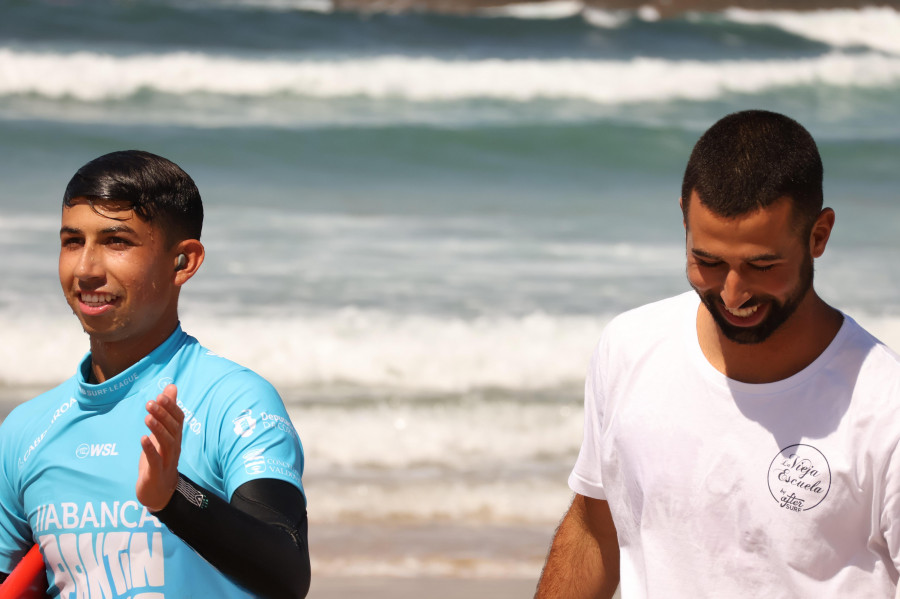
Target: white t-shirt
[[727, 489]]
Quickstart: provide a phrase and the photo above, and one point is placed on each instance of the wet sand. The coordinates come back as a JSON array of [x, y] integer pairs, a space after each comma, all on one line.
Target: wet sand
[[434, 588]]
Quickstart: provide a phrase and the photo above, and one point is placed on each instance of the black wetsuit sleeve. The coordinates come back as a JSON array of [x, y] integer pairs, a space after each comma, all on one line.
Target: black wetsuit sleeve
[[259, 540], [3, 576]]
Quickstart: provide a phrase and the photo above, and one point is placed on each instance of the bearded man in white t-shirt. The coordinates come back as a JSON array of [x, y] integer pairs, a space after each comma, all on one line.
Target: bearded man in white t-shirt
[[740, 441]]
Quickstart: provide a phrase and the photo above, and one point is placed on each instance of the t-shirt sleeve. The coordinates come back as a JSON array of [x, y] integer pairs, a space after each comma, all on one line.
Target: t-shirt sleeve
[[15, 532], [256, 436], [890, 507], [586, 478]]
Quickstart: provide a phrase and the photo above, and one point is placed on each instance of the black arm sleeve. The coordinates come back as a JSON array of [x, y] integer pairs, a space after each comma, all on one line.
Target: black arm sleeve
[[259, 540], [3, 576]]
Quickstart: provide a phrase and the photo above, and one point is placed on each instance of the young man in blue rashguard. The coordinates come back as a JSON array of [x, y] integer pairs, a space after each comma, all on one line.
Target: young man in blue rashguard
[[160, 469]]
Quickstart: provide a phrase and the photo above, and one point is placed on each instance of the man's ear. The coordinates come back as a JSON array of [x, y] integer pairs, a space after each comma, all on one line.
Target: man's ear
[[681, 205], [821, 232], [185, 268]]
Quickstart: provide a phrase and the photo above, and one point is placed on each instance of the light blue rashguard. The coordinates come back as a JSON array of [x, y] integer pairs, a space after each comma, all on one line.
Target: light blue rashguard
[[69, 464]]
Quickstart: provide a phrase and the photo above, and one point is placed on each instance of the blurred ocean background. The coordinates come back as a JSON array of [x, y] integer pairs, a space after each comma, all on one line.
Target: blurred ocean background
[[418, 223]]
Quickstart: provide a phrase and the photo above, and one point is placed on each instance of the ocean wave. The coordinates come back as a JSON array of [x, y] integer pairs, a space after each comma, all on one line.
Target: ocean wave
[[567, 9], [447, 499], [872, 27], [316, 6], [95, 77], [453, 435], [347, 347], [364, 349], [553, 9]]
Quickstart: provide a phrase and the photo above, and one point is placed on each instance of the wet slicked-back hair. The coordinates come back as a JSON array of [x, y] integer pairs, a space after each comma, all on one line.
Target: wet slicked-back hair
[[748, 160], [158, 190]]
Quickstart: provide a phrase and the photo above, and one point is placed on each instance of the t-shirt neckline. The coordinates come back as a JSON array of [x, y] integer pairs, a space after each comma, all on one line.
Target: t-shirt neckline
[[710, 372]]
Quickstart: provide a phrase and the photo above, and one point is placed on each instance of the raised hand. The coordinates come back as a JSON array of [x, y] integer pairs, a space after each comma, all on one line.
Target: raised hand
[[158, 467]]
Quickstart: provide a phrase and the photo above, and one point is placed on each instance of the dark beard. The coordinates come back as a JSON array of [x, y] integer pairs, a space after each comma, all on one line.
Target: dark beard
[[779, 311]]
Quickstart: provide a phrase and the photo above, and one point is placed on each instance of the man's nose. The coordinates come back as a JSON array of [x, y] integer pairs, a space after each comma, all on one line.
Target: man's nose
[[89, 265], [734, 291]]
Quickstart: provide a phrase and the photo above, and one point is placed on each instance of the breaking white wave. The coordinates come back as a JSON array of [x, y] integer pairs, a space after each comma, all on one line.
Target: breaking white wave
[[348, 347], [872, 27], [317, 6], [554, 9], [364, 349], [95, 77]]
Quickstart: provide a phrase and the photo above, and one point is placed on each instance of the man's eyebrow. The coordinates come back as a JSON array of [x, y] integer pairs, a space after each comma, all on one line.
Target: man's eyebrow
[[757, 258], [704, 254], [764, 258], [117, 229], [107, 231]]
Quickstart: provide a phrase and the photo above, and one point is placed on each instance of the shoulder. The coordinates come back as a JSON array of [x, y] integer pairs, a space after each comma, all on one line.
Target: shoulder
[[651, 322], [873, 370], [871, 352], [30, 421], [220, 384], [211, 367], [651, 331], [47, 404]]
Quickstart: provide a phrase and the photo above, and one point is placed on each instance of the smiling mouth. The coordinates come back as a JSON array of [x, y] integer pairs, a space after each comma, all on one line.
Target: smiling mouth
[[96, 300], [742, 312]]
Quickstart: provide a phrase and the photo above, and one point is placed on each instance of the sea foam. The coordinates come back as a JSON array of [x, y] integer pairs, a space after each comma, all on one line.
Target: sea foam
[[347, 347], [869, 27], [96, 77]]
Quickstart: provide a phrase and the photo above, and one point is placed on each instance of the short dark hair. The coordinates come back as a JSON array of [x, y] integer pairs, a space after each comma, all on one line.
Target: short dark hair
[[749, 160], [157, 189]]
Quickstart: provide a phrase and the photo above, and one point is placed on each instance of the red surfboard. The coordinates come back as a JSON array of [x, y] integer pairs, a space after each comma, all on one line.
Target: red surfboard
[[28, 580]]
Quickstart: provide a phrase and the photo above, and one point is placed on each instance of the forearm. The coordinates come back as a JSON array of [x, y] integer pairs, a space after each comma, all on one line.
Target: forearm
[[268, 556], [583, 562]]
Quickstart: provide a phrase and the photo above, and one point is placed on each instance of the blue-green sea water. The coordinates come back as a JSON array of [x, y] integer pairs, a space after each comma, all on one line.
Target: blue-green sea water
[[418, 223]]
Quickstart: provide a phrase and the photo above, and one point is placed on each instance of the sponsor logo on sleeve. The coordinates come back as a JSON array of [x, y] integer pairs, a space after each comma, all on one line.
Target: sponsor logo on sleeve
[[799, 477], [279, 422], [60, 411], [244, 424], [254, 461]]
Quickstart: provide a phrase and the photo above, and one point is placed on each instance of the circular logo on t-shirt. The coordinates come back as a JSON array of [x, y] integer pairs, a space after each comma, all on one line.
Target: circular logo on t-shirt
[[799, 477], [83, 451]]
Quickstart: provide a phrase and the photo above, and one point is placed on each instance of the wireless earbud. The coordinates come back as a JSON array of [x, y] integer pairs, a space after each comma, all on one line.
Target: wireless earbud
[[180, 262]]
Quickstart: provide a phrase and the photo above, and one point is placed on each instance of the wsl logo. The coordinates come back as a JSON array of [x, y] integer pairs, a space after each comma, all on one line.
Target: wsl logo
[[96, 450]]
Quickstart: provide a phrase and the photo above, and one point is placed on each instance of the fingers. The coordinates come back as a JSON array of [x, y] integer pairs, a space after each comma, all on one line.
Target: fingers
[[164, 419], [161, 449], [151, 452], [165, 410], [168, 401]]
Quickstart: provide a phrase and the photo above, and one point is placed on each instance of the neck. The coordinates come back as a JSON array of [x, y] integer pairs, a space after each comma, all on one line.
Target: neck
[[790, 349], [109, 358]]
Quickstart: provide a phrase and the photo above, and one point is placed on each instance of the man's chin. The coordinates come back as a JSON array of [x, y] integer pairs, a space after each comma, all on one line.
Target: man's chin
[[758, 331], [744, 335]]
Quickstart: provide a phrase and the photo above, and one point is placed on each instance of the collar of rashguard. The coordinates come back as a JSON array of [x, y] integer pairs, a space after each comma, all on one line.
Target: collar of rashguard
[[129, 381]]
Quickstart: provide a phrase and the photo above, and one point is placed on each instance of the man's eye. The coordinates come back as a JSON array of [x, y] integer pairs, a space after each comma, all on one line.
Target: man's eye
[[71, 242], [707, 264], [762, 267]]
